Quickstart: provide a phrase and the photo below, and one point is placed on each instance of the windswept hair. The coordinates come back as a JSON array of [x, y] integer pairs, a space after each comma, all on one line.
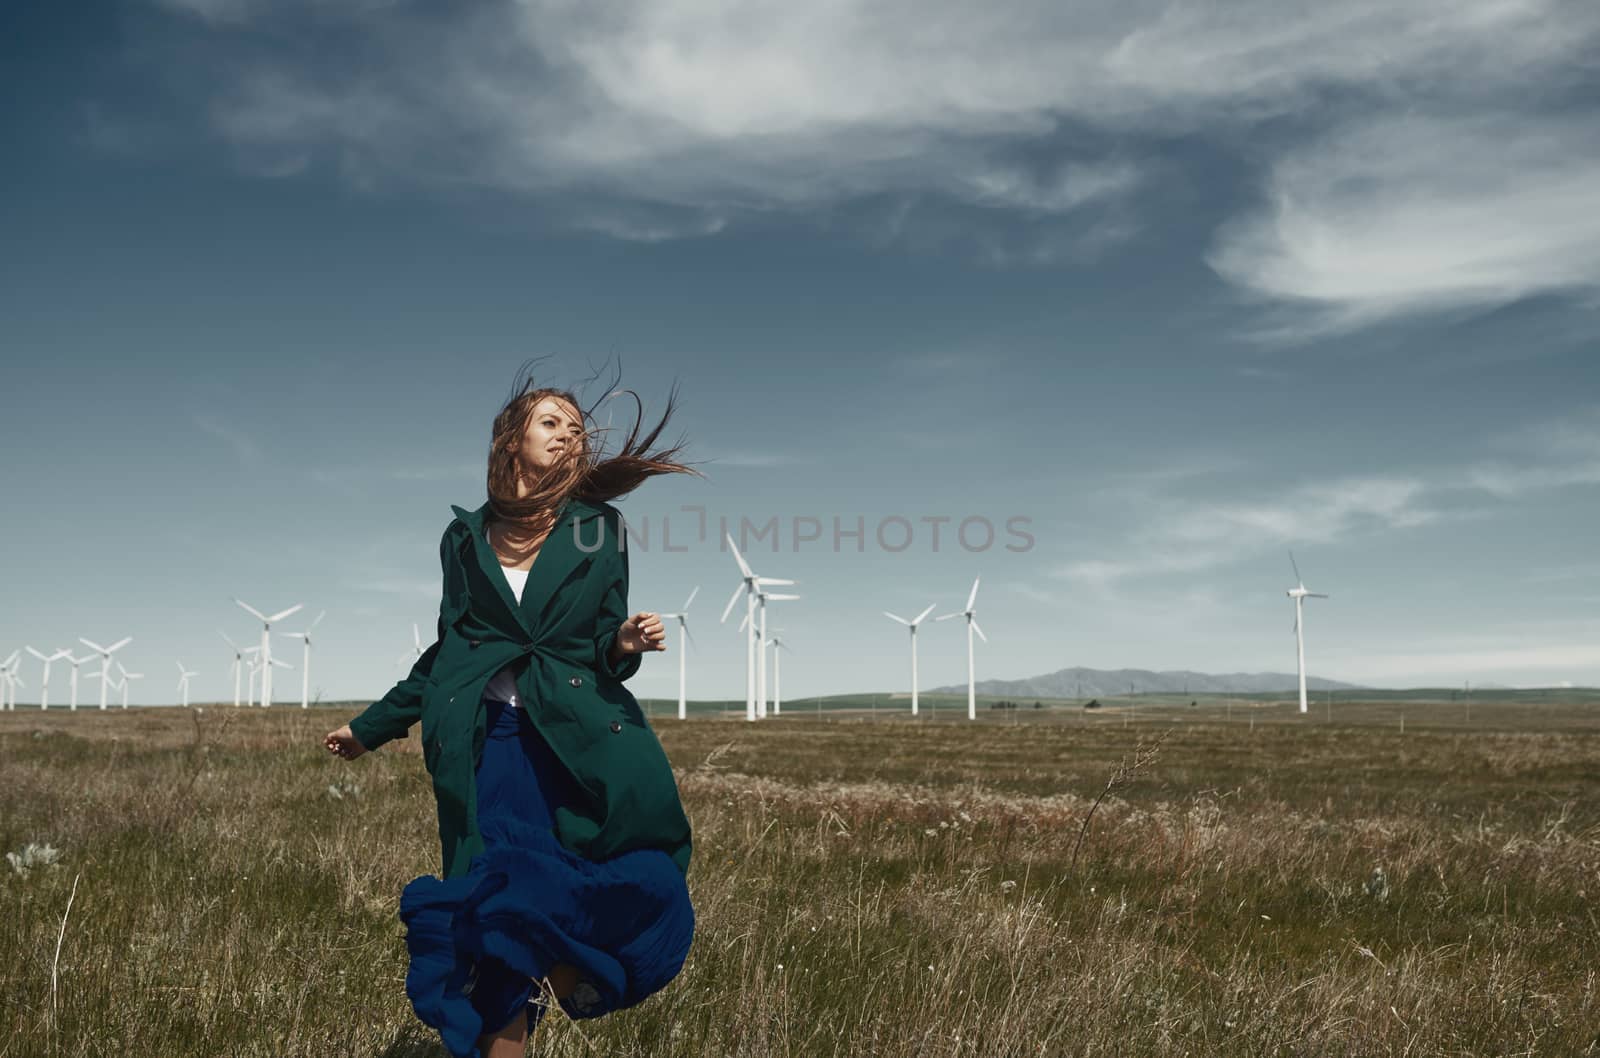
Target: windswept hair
[[585, 472]]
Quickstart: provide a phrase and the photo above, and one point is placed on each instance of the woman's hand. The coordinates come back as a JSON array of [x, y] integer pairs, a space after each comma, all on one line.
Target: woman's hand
[[643, 631], [343, 743]]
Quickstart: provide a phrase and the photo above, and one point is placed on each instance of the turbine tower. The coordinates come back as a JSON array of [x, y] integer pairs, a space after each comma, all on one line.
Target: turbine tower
[[44, 682], [238, 659], [972, 626], [748, 583], [762, 597], [75, 662], [1300, 595], [683, 651], [761, 638], [415, 654], [266, 646], [105, 662], [9, 673], [126, 678], [255, 669], [305, 664], [777, 687], [912, 624], [183, 683]]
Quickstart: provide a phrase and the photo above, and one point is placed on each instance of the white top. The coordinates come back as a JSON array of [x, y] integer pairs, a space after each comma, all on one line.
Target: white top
[[502, 687]]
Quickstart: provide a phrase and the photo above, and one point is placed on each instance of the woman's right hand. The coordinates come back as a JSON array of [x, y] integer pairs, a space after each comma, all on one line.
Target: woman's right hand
[[344, 743]]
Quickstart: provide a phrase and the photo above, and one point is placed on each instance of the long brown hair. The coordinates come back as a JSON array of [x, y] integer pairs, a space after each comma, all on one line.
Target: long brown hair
[[584, 472]]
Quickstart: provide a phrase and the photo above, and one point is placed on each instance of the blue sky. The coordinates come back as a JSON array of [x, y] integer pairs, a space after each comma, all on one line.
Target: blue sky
[[1181, 286]]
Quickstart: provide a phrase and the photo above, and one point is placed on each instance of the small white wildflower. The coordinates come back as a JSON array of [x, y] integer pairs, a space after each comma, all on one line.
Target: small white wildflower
[[930, 832], [1007, 885], [780, 966]]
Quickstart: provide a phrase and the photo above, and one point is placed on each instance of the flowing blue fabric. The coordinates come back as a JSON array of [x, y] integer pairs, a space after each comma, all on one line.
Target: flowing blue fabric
[[526, 903]]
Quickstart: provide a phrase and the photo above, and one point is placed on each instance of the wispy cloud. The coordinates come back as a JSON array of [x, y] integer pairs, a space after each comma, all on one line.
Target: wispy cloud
[[1181, 534], [756, 459], [656, 120], [462, 471], [244, 447], [1405, 213], [385, 584]]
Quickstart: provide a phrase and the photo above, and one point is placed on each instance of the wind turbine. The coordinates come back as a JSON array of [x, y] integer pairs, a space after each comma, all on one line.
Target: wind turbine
[[183, 683], [912, 624], [9, 673], [266, 647], [75, 663], [972, 626], [1300, 595], [105, 662], [748, 583], [305, 665], [255, 669], [238, 658], [44, 683], [126, 677], [415, 654], [777, 688], [761, 637], [683, 651]]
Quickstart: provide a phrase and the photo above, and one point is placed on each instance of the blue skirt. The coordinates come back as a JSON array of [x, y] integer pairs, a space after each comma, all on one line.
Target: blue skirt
[[479, 941]]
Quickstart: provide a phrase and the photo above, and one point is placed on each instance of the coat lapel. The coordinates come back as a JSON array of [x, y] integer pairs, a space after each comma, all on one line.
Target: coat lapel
[[556, 559]]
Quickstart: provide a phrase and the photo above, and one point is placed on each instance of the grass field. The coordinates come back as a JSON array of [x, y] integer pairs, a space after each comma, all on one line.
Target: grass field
[[1259, 883]]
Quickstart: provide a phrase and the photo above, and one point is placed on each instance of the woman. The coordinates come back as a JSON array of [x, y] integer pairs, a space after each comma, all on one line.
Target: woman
[[565, 846]]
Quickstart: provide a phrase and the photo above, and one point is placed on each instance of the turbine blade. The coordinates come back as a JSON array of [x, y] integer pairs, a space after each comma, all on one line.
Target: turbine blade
[[924, 613], [119, 644], [320, 616], [259, 615], [744, 567], [690, 599], [731, 600], [774, 580], [285, 613], [92, 644], [973, 597], [1297, 578], [978, 630], [895, 617], [947, 616]]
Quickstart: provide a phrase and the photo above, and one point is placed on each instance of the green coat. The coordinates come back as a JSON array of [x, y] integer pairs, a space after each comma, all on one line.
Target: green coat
[[575, 598]]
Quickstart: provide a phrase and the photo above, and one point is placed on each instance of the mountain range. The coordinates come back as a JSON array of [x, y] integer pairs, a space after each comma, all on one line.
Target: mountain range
[[1106, 683]]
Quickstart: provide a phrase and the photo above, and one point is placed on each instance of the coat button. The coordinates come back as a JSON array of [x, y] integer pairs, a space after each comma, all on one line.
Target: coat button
[[576, 681], [616, 727], [475, 643]]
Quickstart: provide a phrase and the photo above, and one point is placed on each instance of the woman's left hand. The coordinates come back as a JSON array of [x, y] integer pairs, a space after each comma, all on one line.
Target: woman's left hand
[[643, 631]]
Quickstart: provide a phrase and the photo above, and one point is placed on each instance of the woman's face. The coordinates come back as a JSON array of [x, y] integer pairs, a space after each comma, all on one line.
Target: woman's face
[[554, 431]]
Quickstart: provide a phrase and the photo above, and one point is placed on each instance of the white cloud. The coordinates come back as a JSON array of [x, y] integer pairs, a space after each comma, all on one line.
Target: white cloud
[[1178, 534], [1400, 214], [709, 112]]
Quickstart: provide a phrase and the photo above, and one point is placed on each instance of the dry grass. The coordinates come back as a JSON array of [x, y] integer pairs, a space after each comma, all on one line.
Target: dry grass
[[861, 887]]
